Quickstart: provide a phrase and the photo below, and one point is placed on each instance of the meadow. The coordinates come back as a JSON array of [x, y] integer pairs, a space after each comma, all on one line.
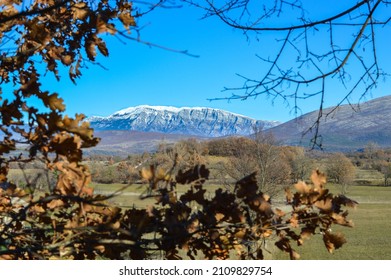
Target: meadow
[[369, 239]]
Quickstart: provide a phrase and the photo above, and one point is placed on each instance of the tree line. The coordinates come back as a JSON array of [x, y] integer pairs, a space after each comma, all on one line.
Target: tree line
[[232, 158]]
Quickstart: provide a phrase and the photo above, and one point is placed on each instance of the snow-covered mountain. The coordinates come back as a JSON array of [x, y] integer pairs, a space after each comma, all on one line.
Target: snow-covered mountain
[[197, 121]]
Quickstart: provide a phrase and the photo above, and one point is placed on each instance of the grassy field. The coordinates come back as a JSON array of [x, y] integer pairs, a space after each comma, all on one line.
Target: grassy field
[[368, 240], [130, 194]]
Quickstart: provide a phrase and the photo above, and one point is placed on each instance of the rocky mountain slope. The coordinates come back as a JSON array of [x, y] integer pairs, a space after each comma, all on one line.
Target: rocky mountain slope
[[343, 128], [196, 121]]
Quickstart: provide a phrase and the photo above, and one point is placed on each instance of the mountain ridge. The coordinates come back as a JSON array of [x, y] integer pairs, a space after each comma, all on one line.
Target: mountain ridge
[[343, 128], [196, 121]]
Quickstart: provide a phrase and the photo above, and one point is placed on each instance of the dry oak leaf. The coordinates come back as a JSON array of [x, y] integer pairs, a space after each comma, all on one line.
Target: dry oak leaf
[[90, 49], [241, 233], [280, 213], [67, 59], [55, 203], [247, 186], [53, 101], [147, 173], [261, 205], [307, 232], [333, 241], [80, 10], [38, 209], [219, 216], [325, 205], [294, 220], [318, 179], [73, 125], [104, 27], [302, 187], [288, 195], [284, 245], [190, 195], [127, 20], [199, 172], [341, 219]]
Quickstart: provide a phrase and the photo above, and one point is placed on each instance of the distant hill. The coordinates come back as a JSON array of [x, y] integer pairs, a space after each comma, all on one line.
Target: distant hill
[[123, 142], [196, 121], [143, 128], [343, 129]]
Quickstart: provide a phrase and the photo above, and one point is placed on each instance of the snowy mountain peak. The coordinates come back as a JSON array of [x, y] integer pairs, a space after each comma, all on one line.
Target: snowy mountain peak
[[197, 121], [170, 109], [132, 110]]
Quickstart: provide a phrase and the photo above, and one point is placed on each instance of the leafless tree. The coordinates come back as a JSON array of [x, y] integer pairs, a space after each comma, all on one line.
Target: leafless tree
[[341, 170], [313, 48]]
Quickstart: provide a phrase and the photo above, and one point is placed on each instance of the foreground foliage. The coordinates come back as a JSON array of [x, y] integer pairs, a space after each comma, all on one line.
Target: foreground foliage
[[70, 221], [230, 224]]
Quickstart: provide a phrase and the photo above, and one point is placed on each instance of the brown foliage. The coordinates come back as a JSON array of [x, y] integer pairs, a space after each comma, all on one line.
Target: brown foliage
[[239, 221], [54, 34], [71, 222]]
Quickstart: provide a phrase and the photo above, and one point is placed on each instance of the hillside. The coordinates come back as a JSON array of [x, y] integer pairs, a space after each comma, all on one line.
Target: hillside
[[123, 142], [343, 128]]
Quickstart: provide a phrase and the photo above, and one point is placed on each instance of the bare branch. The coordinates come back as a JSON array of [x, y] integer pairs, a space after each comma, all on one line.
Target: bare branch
[[316, 66]]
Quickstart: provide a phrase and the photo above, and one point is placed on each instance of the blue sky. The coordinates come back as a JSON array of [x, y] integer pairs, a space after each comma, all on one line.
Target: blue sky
[[137, 74]]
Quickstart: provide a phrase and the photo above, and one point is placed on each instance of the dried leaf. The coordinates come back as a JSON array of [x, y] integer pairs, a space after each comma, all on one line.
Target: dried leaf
[[288, 195], [240, 233], [104, 27], [52, 101], [302, 187], [247, 187], [318, 179], [37, 209], [307, 231], [341, 219], [219, 216], [262, 206], [90, 49], [67, 59], [325, 205], [279, 212], [294, 220], [55, 203], [284, 245], [197, 196], [80, 10], [102, 48], [333, 241], [198, 173], [127, 20], [343, 200], [147, 173], [294, 255]]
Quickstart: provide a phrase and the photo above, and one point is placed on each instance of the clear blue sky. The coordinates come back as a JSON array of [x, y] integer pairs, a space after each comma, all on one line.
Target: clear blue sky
[[138, 74]]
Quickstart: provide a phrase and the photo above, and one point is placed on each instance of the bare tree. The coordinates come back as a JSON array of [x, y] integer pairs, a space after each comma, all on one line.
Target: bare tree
[[261, 155], [341, 170], [274, 169], [313, 48]]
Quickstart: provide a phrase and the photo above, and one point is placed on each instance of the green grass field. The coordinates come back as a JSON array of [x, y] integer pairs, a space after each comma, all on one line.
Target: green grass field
[[368, 240]]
